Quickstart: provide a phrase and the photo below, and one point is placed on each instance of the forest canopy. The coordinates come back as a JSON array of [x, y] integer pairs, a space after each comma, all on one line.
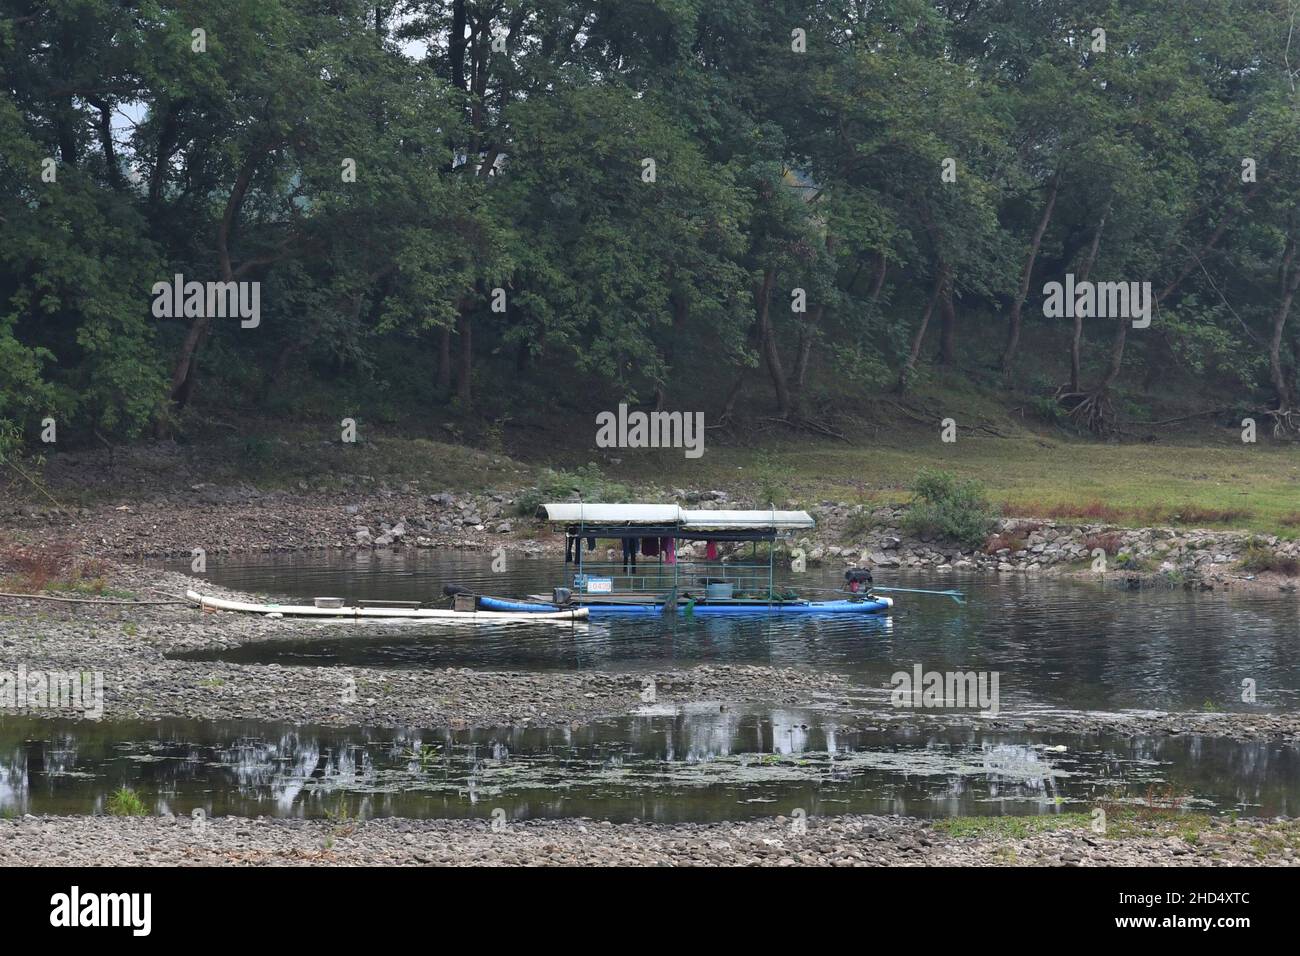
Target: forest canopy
[[460, 204]]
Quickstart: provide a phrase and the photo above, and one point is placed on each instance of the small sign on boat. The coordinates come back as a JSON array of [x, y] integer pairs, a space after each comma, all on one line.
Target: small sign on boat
[[600, 585]]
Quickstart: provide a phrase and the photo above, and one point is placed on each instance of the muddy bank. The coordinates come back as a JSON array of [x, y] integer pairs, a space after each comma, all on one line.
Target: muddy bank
[[831, 841]]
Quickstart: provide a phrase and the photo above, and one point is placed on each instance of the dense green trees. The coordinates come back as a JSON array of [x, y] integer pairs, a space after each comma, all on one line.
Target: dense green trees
[[668, 201]]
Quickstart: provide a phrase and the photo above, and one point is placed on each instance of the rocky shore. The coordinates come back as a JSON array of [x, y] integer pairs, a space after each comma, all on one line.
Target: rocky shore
[[1198, 558], [842, 841], [244, 519], [222, 520]]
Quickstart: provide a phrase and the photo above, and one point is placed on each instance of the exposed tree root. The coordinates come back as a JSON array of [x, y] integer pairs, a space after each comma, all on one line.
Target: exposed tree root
[[804, 423], [1091, 411], [1286, 421]]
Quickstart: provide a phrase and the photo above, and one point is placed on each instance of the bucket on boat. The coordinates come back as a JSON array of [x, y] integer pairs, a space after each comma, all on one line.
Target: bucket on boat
[[561, 596], [329, 602], [720, 591], [464, 602]]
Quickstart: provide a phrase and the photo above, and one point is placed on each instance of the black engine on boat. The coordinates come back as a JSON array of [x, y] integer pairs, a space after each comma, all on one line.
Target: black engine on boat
[[858, 578]]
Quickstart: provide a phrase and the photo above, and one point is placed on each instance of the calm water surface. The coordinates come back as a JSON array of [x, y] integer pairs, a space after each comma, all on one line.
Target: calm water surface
[[700, 764], [1055, 645]]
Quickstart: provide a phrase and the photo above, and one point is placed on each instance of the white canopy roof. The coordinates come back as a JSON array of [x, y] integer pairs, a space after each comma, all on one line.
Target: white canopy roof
[[744, 520], [575, 512]]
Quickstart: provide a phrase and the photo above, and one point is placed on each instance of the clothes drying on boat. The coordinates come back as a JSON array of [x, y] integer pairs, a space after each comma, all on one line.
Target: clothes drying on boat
[[711, 550], [629, 553], [573, 547], [669, 548], [650, 547]]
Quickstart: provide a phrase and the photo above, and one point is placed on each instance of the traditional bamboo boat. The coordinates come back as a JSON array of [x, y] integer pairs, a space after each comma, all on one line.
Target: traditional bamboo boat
[[395, 610]]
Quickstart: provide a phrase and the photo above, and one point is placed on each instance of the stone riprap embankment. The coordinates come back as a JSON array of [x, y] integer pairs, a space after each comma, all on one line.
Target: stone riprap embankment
[[1190, 557]]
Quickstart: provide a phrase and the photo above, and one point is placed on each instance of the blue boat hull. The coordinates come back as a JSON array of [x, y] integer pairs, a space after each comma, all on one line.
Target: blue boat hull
[[872, 606], [519, 607]]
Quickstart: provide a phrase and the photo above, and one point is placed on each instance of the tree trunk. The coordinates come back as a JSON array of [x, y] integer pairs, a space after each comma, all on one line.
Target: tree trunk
[[807, 336], [1116, 355], [456, 45], [1076, 341], [182, 385], [168, 134], [681, 314], [464, 389], [444, 359], [112, 171], [281, 365], [1290, 282], [948, 324], [66, 120], [183, 371], [1093, 410], [1017, 307], [918, 338], [877, 283], [767, 342], [733, 393]]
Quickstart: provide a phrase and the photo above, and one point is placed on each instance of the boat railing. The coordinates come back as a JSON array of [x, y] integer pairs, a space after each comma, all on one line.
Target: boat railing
[[659, 578]]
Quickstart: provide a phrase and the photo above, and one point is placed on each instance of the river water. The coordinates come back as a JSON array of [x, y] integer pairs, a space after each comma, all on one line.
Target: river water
[[1053, 643], [1055, 646]]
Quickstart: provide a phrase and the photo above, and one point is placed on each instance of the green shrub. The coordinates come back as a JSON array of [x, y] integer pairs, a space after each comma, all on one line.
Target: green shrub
[[255, 450], [585, 484], [125, 802], [1259, 557], [947, 507], [858, 525], [1049, 410], [773, 480]]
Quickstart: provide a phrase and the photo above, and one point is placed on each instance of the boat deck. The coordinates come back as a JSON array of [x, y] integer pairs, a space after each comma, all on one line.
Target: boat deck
[[628, 603], [658, 597]]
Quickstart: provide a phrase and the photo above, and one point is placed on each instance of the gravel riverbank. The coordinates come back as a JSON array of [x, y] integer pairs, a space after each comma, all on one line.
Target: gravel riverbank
[[128, 645], [832, 841]]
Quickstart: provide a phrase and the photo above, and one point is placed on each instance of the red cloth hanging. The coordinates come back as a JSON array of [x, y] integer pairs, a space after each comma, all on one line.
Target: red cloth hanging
[[711, 550]]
